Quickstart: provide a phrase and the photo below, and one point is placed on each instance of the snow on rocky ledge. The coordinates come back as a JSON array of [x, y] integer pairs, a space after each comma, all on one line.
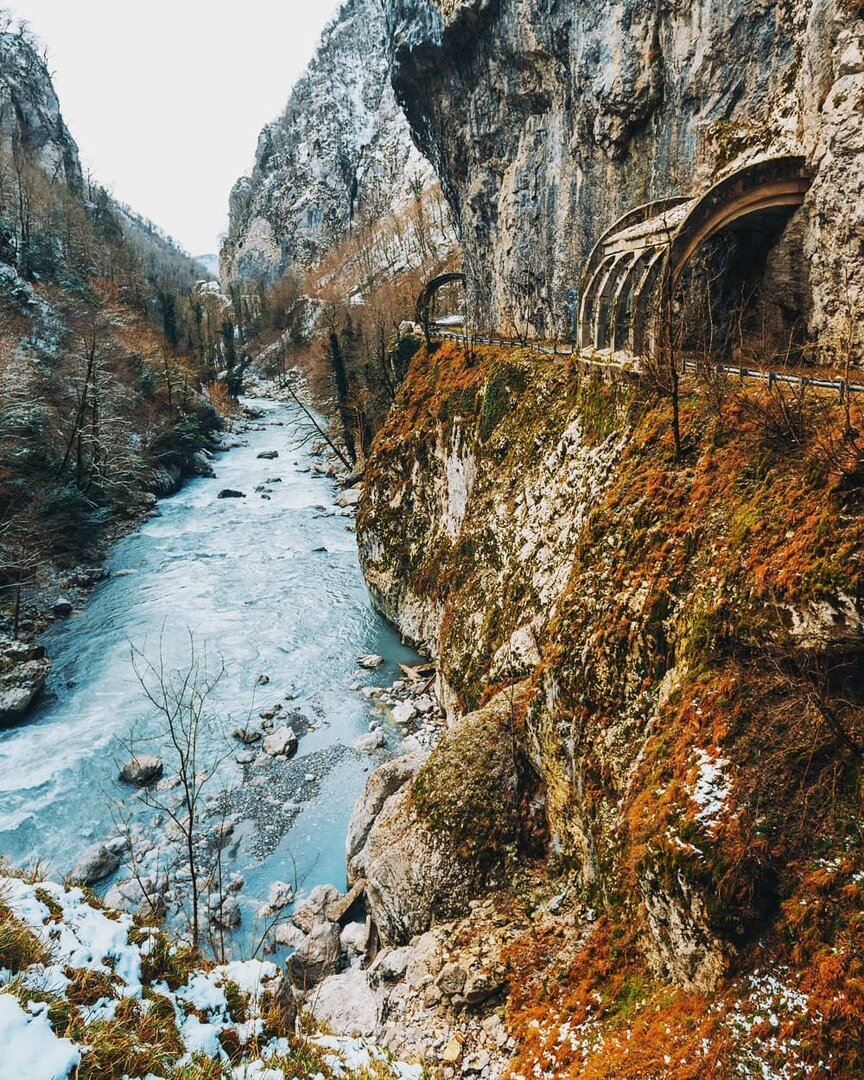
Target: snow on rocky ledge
[[712, 789]]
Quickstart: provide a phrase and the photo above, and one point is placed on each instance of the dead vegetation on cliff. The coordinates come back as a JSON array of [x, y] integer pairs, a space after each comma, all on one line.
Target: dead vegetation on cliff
[[695, 709]]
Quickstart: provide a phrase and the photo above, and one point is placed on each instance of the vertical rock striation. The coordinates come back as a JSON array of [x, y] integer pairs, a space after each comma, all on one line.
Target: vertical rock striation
[[30, 118]]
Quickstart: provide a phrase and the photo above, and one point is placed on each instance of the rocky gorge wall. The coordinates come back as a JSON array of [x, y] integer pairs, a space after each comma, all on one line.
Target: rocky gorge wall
[[546, 122], [30, 118], [341, 152]]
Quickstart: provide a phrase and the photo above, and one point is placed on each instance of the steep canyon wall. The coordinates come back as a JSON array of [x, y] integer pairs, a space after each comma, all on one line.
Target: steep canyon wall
[[659, 630], [547, 121], [341, 152]]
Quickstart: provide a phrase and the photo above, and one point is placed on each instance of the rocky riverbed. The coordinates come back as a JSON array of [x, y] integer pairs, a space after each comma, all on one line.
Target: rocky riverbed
[[270, 845]]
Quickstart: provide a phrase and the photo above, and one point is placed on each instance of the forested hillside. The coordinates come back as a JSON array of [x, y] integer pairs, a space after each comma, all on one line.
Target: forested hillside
[[109, 349]]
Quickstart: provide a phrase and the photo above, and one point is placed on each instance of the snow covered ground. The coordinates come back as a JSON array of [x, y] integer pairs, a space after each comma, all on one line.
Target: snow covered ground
[[214, 1006]]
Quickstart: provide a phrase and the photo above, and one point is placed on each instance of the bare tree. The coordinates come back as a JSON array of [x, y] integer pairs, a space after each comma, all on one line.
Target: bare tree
[[661, 364], [87, 401], [185, 735], [315, 428], [845, 344]]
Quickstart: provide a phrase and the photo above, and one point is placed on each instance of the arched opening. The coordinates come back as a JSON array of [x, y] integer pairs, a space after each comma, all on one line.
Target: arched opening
[[623, 302], [612, 276], [743, 297], [723, 273], [442, 303], [735, 282]]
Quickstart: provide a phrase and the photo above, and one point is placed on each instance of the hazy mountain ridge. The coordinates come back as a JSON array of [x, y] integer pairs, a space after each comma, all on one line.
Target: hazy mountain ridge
[[161, 253]]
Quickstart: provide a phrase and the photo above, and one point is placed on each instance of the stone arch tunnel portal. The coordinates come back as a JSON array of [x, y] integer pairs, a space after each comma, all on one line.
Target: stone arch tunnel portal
[[725, 263], [442, 302]]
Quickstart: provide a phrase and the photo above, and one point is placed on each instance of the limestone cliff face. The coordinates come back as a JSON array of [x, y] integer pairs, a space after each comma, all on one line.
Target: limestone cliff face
[[30, 118], [665, 651], [341, 152], [662, 626], [545, 122]]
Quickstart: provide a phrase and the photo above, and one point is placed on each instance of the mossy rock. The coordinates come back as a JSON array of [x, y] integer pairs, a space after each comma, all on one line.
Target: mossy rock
[[440, 842], [465, 794], [505, 380]]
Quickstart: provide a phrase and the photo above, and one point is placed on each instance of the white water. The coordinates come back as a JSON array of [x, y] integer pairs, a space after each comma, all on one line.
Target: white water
[[244, 576]]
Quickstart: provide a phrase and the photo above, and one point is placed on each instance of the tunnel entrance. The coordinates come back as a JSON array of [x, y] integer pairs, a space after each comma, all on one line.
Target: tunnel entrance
[[743, 297], [441, 304], [722, 274]]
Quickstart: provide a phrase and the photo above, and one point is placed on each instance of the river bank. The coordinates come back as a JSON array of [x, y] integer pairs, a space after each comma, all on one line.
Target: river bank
[[54, 593]]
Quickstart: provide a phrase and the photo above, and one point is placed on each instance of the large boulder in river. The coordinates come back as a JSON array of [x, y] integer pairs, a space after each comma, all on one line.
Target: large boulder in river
[[279, 895], [281, 743], [24, 668], [317, 957], [383, 783], [248, 736], [141, 770], [439, 840], [201, 465], [93, 865]]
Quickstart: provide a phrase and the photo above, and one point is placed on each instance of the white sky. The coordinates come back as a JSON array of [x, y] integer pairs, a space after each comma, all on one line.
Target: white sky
[[165, 98]]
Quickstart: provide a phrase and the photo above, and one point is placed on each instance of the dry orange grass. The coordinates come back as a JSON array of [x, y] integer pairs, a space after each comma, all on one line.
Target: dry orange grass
[[765, 514]]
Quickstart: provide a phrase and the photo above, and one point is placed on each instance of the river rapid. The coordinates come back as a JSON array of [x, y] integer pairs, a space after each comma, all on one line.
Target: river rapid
[[273, 588]]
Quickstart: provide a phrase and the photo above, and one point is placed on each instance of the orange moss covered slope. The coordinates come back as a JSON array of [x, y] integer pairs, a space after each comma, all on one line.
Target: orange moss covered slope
[[690, 642]]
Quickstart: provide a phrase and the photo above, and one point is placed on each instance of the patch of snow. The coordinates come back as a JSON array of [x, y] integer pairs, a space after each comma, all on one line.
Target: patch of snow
[[712, 790], [766, 997], [249, 975], [358, 1054], [82, 938], [257, 1070], [30, 1047], [200, 1038]]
